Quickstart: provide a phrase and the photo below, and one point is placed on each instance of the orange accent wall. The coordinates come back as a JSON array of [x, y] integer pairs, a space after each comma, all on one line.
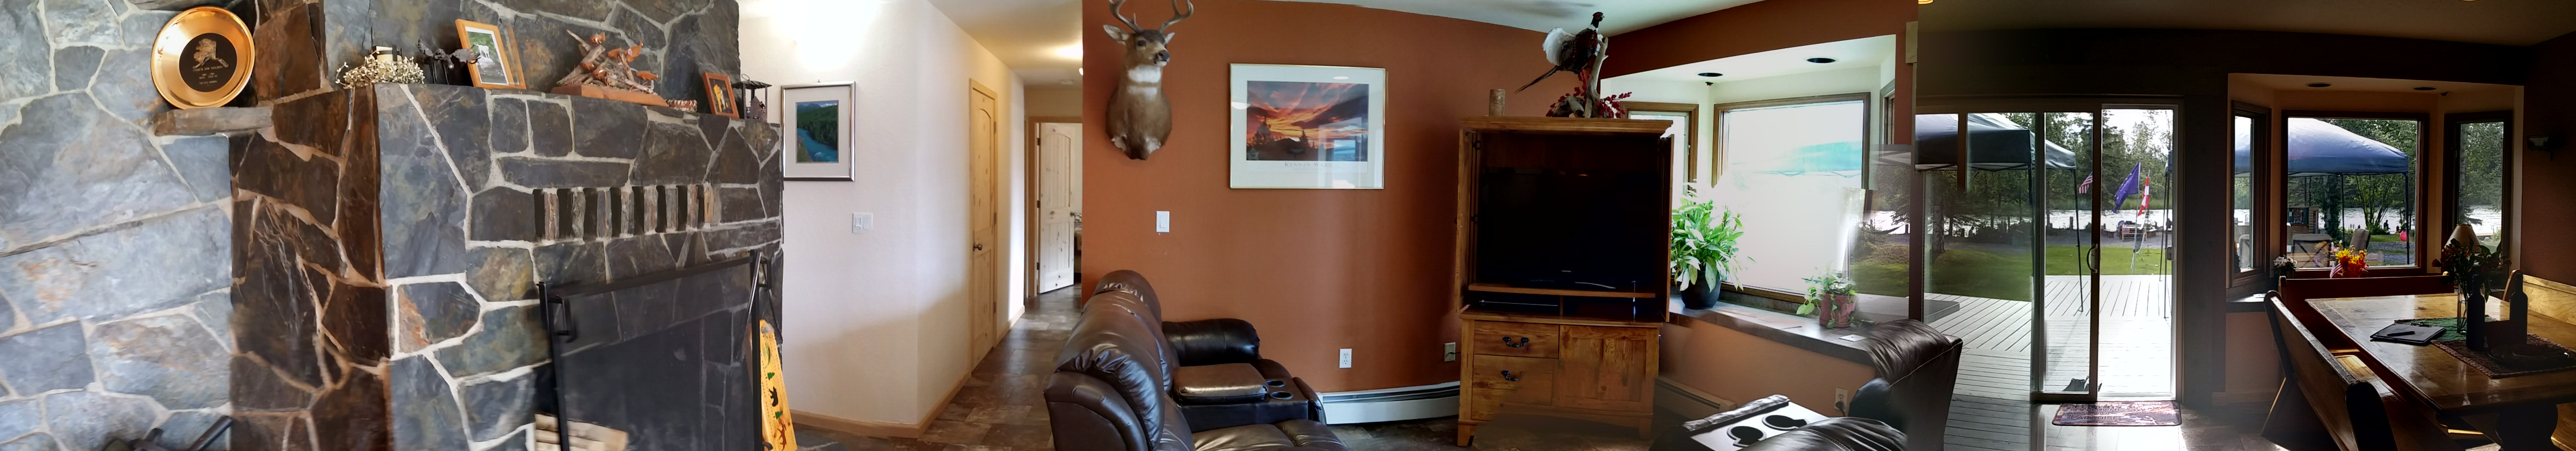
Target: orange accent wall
[[2548, 108], [1314, 270]]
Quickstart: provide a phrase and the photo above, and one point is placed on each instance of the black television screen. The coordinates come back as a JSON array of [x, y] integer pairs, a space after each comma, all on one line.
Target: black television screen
[[1552, 228]]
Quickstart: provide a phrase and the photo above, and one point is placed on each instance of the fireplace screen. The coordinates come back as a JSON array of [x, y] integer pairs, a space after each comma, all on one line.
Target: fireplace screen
[[659, 361]]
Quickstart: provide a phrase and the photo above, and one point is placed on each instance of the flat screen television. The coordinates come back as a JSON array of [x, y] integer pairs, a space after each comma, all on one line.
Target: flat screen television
[[1599, 229]]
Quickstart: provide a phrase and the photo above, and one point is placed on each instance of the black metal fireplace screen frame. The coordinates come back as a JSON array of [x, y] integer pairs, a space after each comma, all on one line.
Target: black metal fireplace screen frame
[[561, 330]]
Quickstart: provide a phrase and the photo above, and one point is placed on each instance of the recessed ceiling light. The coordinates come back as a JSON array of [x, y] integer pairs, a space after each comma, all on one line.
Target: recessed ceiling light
[[2320, 84], [1922, 2], [2423, 88], [1073, 52], [1710, 74], [1820, 60]]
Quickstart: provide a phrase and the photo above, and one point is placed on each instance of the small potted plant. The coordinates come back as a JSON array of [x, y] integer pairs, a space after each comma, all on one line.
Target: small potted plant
[[1703, 249], [1832, 294]]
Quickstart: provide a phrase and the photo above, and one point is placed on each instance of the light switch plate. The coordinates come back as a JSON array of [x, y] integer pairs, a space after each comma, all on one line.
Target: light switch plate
[[1163, 224], [1449, 352], [1346, 357], [861, 222]]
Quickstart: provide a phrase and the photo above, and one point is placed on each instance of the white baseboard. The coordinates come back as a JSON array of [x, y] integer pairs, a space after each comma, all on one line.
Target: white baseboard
[[1391, 404], [1687, 402]]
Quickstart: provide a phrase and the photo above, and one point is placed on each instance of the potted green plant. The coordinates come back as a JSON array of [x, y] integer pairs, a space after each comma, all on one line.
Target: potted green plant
[[1703, 248], [1832, 293]]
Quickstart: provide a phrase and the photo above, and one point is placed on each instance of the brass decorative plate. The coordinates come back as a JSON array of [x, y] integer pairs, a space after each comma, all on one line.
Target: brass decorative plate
[[202, 58]]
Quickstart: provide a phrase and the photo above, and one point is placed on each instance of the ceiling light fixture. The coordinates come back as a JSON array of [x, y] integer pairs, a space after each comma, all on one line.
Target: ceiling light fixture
[[1820, 60], [1710, 74], [2320, 84], [2423, 88], [1922, 2], [1073, 52]]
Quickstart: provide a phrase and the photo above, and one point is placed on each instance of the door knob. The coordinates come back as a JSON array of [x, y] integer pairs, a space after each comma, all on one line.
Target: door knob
[[979, 247]]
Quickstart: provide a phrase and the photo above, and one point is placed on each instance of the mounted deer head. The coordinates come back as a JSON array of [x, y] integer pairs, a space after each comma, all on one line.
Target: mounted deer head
[[1140, 118]]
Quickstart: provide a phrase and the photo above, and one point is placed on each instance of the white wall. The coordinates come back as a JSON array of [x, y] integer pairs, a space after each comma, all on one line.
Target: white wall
[[876, 322]]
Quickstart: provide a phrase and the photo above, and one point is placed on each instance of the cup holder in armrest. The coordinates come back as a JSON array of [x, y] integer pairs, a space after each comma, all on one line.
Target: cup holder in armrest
[[1282, 395], [1275, 383]]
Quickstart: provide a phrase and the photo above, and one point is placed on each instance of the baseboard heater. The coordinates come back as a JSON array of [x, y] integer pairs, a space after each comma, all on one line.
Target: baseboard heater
[[1391, 404]]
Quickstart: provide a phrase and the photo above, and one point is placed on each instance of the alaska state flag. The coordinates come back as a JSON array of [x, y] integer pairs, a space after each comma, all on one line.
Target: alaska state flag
[[2127, 188]]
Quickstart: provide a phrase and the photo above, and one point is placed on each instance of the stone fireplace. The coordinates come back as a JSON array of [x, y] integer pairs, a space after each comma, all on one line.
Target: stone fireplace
[[389, 241]]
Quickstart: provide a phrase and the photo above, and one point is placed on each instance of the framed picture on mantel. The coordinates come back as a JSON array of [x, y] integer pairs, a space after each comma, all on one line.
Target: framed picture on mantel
[[1311, 127], [819, 125]]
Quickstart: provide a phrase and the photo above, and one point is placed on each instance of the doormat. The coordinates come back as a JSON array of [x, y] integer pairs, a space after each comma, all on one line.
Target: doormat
[[2119, 413]]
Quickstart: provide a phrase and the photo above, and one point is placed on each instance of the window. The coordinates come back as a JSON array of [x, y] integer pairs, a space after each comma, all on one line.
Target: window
[[1685, 118], [2351, 183], [2479, 185], [1793, 170], [2253, 125]]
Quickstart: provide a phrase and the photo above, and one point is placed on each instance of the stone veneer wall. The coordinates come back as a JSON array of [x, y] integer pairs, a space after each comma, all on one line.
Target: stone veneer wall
[[114, 269], [433, 193]]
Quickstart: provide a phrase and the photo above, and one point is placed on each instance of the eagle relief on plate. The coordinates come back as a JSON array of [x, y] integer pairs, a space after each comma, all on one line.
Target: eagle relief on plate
[[202, 58]]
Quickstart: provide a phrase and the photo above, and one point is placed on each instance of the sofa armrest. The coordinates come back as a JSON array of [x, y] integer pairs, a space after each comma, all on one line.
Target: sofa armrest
[[1212, 341], [1087, 413], [1875, 401]]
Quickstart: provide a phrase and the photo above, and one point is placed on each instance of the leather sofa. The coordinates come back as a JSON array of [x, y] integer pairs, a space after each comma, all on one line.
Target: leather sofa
[[1114, 389], [1219, 377], [1906, 407]]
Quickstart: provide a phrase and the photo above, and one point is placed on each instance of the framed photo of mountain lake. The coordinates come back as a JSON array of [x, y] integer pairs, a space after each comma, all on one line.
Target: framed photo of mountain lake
[[1308, 127], [819, 122], [496, 63]]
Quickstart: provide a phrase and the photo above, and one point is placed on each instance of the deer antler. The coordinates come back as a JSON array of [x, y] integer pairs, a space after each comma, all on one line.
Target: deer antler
[[1122, 17], [1177, 14]]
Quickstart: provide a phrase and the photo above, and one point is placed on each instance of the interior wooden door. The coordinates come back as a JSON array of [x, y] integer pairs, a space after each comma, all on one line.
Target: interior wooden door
[[983, 293], [1056, 204]]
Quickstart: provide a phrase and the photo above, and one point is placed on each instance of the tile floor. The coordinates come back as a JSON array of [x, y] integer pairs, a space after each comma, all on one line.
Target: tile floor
[[1001, 408]]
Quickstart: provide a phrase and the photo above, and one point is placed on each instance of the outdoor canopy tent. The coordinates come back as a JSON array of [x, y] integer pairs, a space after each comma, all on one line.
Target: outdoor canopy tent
[[1995, 143], [2319, 148]]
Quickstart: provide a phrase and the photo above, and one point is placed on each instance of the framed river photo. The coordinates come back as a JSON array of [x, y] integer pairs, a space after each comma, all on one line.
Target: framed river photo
[[819, 125], [1308, 127]]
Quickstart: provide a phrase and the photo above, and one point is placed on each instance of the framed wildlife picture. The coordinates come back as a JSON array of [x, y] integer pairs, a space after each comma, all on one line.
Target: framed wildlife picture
[[720, 97], [1308, 127], [497, 57], [819, 124]]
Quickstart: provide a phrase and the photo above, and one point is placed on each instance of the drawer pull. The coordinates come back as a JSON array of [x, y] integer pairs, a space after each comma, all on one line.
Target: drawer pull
[[1507, 341], [1507, 375]]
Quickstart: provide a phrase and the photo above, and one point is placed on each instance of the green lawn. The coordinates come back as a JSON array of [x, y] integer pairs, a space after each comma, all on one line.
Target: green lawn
[[1992, 275]]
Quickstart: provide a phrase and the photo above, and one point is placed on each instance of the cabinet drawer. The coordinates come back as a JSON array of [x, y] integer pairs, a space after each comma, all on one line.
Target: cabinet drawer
[[1515, 339], [1494, 380]]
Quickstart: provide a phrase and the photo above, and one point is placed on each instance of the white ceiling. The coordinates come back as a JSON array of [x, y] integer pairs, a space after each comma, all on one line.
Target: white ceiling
[[1618, 16], [2507, 22], [1024, 34], [2294, 83], [1849, 54]]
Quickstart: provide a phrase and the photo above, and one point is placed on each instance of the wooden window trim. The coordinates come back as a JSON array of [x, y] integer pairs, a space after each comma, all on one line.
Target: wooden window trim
[[2423, 195]]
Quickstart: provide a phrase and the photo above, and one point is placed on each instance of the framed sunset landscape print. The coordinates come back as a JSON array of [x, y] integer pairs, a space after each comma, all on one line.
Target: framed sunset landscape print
[[1308, 127]]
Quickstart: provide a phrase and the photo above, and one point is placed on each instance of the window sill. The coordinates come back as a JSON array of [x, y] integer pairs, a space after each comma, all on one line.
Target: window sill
[[1793, 330]]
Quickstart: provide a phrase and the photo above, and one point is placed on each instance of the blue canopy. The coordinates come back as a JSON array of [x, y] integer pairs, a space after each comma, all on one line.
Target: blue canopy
[[1995, 143], [2319, 148]]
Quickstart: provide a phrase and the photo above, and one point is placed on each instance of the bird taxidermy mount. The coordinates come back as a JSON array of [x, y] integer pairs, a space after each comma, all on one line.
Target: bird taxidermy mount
[[1581, 54], [1140, 118]]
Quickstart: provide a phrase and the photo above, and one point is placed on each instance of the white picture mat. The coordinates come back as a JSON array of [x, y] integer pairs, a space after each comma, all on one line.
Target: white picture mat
[[496, 56], [845, 92], [1247, 173]]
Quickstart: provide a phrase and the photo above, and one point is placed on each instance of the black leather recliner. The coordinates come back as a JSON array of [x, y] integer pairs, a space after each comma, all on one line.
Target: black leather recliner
[[1113, 389], [1218, 375], [1905, 407]]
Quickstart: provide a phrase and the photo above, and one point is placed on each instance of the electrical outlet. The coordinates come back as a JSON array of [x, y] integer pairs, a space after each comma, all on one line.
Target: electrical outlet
[[1346, 357], [1449, 352], [1842, 399]]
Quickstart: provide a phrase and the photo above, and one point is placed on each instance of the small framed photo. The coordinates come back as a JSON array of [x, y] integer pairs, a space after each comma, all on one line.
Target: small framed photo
[[720, 95], [1308, 127], [497, 63], [819, 123]]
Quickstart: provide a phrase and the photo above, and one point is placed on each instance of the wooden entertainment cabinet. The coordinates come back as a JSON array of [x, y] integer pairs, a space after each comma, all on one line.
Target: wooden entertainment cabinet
[[1575, 353]]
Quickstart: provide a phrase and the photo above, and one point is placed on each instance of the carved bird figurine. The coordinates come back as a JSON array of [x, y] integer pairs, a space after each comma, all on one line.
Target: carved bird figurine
[[1570, 52]]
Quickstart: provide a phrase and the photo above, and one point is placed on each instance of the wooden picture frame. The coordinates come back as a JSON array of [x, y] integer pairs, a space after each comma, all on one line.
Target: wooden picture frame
[[720, 95], [496, 45]]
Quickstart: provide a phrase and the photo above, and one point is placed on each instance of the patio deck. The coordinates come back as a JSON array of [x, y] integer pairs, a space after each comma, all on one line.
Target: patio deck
[[1991, 409]]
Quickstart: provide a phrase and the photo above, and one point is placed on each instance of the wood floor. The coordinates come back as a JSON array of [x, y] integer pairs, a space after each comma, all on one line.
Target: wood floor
[[1991, 409]]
